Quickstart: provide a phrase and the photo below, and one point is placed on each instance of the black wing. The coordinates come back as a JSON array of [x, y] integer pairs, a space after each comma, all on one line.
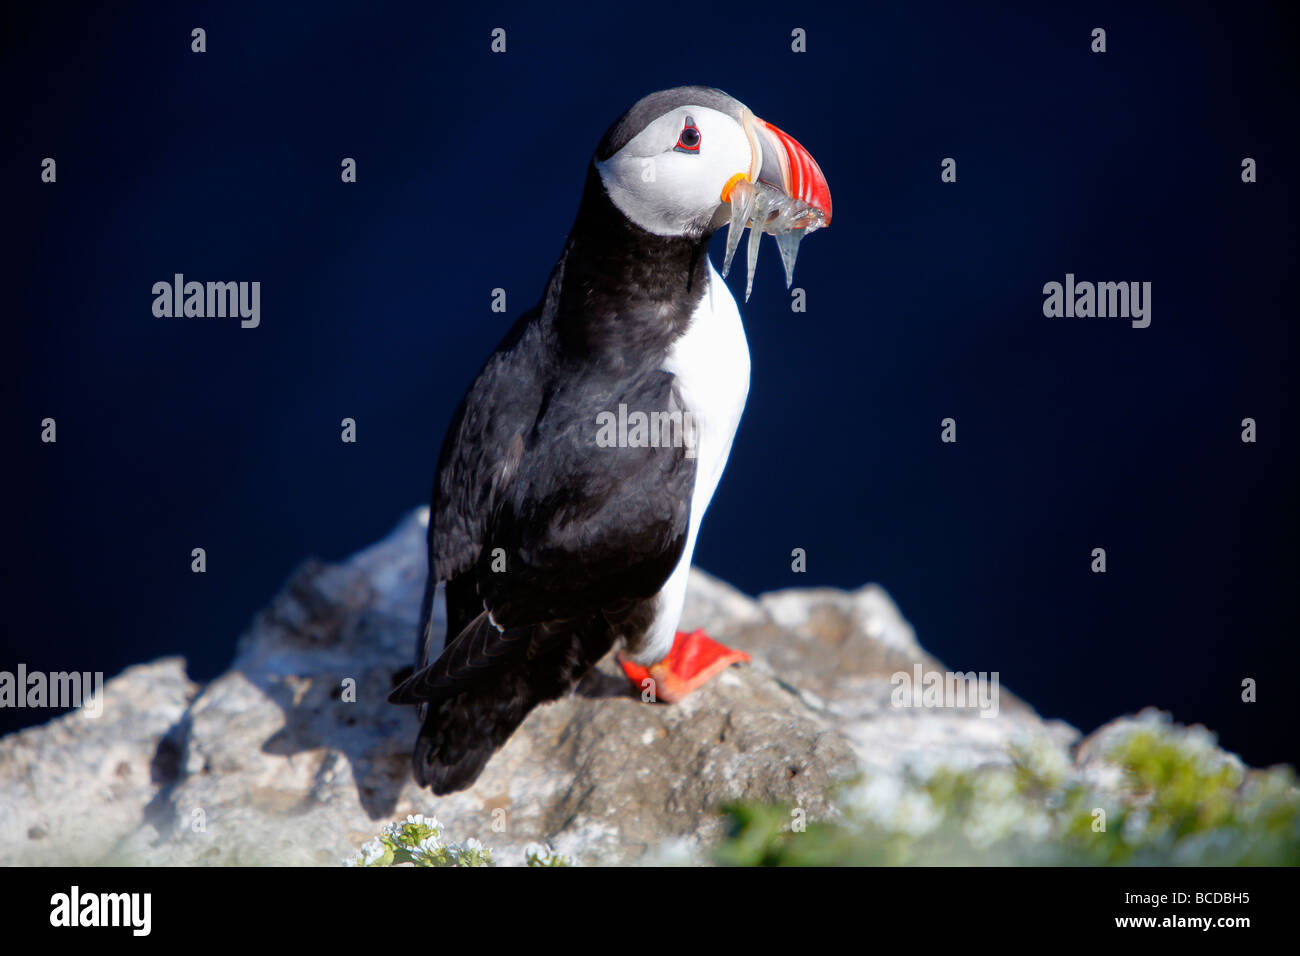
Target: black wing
[[571, 528], [482, 447], [576, 542]]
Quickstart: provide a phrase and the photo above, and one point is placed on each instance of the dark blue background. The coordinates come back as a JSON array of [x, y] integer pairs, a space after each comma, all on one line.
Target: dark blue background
[[924, 302]]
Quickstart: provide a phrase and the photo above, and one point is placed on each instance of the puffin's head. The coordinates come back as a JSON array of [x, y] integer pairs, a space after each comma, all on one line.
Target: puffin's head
[[672, 164]]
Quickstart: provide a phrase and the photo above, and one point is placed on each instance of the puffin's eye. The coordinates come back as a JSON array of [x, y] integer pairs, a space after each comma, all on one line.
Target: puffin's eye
[[688, 141]]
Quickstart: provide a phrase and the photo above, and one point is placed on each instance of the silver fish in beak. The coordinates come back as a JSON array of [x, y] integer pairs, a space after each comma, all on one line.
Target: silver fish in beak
[[784, 194]]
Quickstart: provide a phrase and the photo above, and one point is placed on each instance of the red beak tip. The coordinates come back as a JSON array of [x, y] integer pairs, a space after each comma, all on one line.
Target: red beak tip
[[807, 182]]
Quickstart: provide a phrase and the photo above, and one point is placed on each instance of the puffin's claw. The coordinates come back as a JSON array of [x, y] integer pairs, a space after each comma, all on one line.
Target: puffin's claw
[[694, 660]]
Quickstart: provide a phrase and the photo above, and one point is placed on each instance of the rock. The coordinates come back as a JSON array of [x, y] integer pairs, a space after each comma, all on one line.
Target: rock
[[69, 790], [293, 756], [837, 651]]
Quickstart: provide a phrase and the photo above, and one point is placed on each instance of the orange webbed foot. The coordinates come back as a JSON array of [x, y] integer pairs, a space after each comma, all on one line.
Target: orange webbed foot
[[694, 660]]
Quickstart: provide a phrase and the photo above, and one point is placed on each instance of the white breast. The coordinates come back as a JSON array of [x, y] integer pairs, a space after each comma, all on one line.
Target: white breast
[[711, 366]]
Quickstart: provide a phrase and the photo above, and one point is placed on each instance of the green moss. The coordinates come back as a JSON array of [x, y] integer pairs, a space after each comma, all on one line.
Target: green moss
[[418, 840], [1156, 793], [538, 855]]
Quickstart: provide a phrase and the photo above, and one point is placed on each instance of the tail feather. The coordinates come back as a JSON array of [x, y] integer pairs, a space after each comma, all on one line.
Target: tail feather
[[466, 722]]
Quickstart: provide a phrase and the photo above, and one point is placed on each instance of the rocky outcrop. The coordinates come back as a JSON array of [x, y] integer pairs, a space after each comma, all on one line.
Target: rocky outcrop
[[293, 756]]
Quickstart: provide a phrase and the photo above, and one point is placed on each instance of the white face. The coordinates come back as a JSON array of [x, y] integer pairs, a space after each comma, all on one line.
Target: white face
[[667, 188]]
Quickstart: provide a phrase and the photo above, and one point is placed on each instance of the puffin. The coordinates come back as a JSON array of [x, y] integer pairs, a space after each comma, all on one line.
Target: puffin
[[560, 525]]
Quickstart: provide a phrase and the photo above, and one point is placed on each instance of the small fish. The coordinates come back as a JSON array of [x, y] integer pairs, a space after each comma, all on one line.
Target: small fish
[[762, 208]]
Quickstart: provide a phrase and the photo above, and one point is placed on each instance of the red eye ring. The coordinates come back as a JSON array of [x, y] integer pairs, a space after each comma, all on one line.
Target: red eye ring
[[688, 140]]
